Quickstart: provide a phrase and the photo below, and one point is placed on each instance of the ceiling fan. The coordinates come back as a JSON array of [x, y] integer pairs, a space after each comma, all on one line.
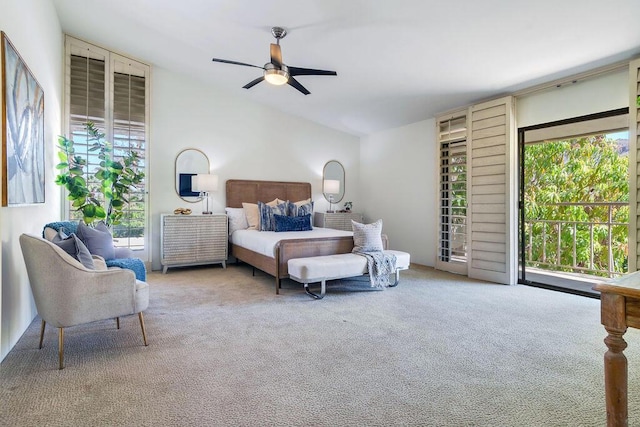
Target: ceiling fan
[[275, 71]]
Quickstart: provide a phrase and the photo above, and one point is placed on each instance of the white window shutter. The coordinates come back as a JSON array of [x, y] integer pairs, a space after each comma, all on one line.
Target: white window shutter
[[451, 135], [493, 249], [634, 169]]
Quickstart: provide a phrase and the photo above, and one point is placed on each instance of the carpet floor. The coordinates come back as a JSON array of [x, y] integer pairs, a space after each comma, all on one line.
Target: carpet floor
[[438, 350]]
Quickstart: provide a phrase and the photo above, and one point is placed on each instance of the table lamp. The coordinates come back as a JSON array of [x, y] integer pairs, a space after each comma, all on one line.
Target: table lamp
[[205, 183], [331, 187]]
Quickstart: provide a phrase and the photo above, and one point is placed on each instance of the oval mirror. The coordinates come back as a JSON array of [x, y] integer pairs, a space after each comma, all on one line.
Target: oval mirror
[[189, 162], [333, 181]]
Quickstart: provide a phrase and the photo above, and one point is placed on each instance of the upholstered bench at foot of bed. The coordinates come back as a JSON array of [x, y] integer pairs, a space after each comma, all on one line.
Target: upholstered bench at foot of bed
[[339, 266]]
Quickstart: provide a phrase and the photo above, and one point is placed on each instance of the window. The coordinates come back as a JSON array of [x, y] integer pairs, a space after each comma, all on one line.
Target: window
[[452, 233], [112, 92]]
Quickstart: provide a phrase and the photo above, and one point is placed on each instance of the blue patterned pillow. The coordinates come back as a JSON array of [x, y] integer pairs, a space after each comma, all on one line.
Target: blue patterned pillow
[[301, 208], [267, 221], [292, 223]]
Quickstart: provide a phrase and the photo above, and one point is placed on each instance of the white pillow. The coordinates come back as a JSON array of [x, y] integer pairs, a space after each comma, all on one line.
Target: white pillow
[[367, 237], [237, 219]]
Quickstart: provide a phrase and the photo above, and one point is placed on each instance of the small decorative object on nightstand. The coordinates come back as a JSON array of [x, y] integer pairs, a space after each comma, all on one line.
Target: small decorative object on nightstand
[[336, 220]]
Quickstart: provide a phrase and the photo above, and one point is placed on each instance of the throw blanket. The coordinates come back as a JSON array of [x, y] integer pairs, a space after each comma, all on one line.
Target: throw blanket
[[381, 266]]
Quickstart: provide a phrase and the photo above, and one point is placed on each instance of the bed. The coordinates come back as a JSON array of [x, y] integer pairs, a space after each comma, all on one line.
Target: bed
[[289, 247]]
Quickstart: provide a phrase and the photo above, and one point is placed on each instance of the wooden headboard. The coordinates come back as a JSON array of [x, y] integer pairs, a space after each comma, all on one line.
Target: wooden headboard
[[249, 191]]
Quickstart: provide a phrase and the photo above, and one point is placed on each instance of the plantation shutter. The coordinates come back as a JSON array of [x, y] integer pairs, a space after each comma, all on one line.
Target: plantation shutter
[[129, 133], [86, 101], [452, 209], [634, 168], [112, 92], [492, 204]]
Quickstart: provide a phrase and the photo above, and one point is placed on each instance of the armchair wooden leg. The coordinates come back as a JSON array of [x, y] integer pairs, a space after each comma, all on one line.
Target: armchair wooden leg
[[144, 332], [61, 348], [117, 323], [42, 332]]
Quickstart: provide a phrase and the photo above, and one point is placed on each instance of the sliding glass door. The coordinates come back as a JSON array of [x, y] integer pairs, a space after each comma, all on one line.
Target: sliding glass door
[[574, 201]]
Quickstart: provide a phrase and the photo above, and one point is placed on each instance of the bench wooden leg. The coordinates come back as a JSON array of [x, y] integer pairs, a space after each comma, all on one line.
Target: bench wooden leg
[[323, 288]]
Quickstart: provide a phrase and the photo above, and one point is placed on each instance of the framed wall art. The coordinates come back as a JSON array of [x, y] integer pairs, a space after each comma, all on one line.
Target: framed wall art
[[22, 131]]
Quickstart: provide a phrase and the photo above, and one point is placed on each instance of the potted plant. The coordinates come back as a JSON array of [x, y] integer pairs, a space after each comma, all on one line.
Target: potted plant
[[105, 197], [347, 206]]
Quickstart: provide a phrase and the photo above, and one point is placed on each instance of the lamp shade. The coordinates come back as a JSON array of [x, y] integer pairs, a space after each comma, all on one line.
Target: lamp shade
[[276, 77], [204, 182], [331, 186]]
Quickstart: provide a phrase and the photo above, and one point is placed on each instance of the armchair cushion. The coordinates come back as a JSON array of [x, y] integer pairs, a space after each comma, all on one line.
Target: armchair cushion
[[72, 245], [98, 239]]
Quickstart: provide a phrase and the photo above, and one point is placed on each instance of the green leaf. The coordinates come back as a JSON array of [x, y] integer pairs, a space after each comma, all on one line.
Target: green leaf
[[62, 165], [89, 211], [100, 213], [79, 181]]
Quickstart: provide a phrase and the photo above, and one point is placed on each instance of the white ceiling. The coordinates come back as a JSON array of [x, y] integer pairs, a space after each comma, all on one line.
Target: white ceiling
[[398, 61]]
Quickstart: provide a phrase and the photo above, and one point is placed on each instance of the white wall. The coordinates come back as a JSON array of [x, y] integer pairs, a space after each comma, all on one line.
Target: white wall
[[33, 28], [243, 140], [594, 95], [398, 183]]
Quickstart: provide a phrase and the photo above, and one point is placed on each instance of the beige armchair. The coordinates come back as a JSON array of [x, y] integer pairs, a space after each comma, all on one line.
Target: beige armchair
[[68, 294]]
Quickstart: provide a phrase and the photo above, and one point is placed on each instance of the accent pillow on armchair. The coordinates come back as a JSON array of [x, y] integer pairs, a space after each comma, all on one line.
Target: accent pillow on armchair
[[69, 227], [98, 241]]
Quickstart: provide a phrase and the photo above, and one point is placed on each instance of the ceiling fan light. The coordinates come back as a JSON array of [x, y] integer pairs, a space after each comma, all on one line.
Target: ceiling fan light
[[276, 77]]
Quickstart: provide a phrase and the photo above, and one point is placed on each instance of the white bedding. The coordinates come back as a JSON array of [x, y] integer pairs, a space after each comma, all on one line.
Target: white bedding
[[264, 242]]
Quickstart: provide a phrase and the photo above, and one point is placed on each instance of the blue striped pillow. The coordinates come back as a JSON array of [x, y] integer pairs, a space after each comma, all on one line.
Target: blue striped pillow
[[300, 208], [267, 221]]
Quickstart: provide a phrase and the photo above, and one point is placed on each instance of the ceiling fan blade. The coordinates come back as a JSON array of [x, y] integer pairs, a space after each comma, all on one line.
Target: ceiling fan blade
[[226, 61], [253, 82], [297, 71], [293, 82], [276, 55]]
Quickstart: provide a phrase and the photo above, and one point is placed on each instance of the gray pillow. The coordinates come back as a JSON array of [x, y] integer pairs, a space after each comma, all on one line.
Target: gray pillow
[[73, 246], [367, 237], [97, 239]]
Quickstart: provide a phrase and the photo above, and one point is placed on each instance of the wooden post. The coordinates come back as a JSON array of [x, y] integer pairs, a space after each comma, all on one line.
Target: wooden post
[[615, 378], [613, 312]]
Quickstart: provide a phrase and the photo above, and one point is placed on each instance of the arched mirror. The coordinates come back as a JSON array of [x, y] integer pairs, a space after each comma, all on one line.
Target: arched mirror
[[189, 162], [333, 181]]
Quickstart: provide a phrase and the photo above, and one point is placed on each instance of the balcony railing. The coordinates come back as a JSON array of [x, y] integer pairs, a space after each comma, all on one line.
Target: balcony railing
[[595, 245]]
